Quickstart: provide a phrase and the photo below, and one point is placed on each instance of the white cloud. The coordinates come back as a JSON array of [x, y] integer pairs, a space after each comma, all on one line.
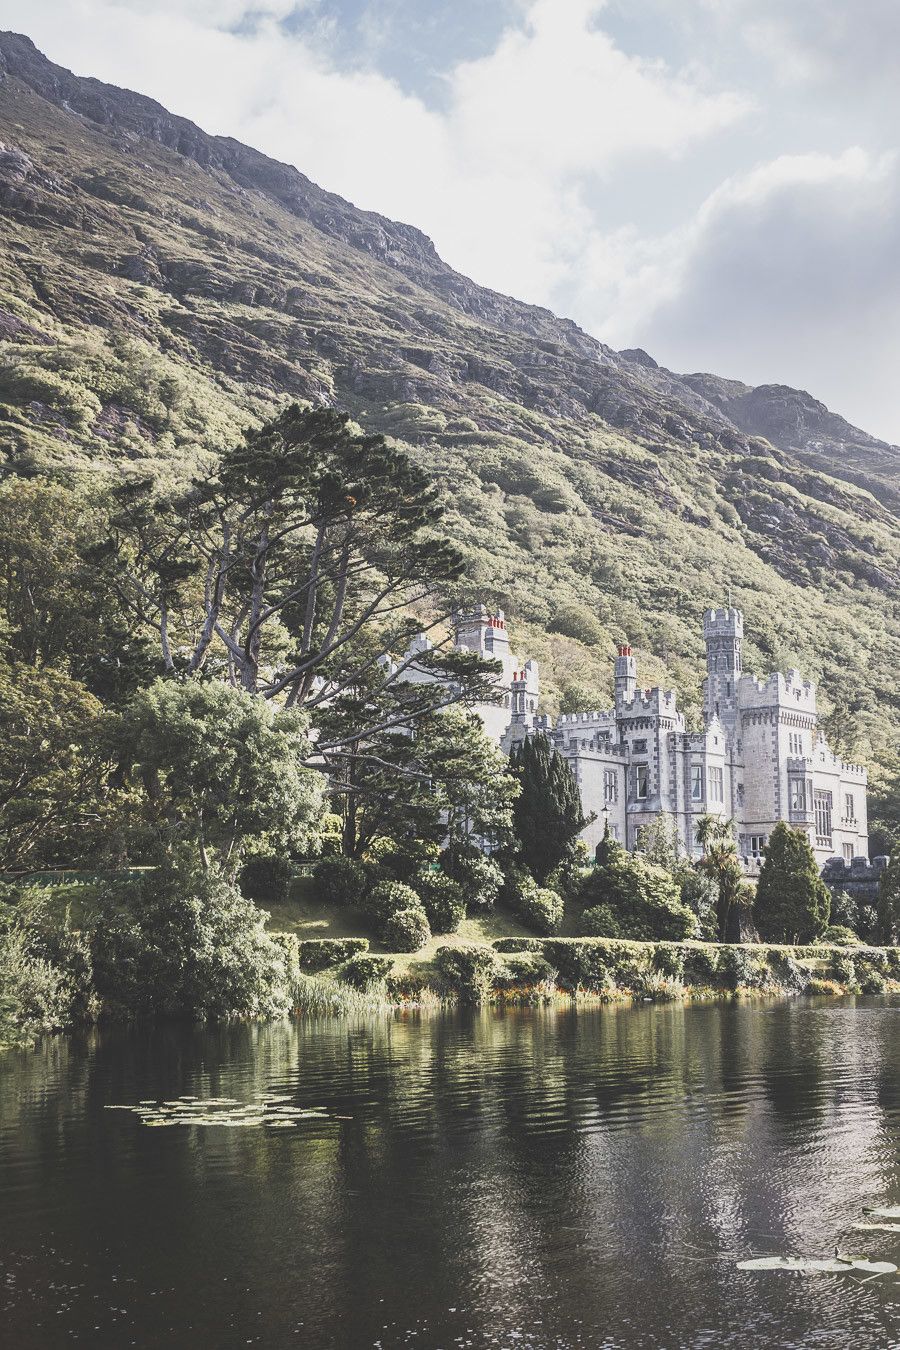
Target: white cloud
[[788, 275]]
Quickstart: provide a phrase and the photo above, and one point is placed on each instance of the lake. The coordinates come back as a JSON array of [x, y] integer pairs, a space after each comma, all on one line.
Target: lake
[[529, 1178]]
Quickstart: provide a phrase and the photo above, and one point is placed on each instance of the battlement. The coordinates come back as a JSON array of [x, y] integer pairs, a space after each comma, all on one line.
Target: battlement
[[580, 718], [726, 622], [777, 690], [656, 701]]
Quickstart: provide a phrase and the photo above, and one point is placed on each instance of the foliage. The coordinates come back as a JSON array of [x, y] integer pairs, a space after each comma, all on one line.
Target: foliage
[[700, 892], [720, 863], [46, 974], [842, 969], [643, 898], [406, 930], [701, 966], [469, 970], [220, 767], [340, 881], [55, 800], [317, 954], [739, 969], [267, 876], [836, 935], [547, 812], [889, 899], [581, 965], [792, 901], [669, 960], [442, 900], [478, 875], [599, 921], [363, 970], [541, 909], [386, 898], [184, 942]]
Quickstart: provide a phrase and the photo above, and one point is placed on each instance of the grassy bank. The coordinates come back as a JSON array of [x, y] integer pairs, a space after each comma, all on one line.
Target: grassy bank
[[542, 970]]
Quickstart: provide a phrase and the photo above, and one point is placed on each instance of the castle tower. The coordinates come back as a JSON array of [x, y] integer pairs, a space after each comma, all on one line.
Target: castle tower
[[626, 675], [723, 633], [479, 631]]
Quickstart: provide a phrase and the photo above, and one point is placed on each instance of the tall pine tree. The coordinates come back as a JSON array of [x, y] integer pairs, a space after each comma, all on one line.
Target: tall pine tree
[[548, 815], [792, 901]]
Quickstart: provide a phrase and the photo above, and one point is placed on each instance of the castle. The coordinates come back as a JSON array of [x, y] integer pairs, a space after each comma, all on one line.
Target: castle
[[760, 757]]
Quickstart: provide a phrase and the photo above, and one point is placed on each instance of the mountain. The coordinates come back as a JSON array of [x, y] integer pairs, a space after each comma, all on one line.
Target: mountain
[[160, 288]]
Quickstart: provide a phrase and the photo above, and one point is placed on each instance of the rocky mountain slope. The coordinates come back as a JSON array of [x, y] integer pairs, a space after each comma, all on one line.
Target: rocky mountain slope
[[159, 288]]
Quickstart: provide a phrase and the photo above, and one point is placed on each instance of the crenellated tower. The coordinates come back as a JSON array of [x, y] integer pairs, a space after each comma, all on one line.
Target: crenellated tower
[[626, 674], [723, 633]]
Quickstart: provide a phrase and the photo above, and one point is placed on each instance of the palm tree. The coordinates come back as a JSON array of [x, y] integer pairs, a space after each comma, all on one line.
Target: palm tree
[[720, 861]]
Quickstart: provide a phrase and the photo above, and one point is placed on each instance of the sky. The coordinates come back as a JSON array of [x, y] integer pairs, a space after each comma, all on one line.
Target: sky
[[716, 181]]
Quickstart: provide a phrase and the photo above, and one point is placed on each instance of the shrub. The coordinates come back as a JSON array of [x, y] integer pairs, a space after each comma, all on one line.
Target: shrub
[[599, 921], [340, 881], [581, 964], [406, 930], [668, 960], [644, 898], [787, 972], [871, 980], [524, 969], [541, 909], [468, 969], [739, 969], [289, 944], [480, 878], [838, 936], [442, 900], [842, 969], [317, 954], [364, 970], [701, 966], [267, 876], [388, 898]]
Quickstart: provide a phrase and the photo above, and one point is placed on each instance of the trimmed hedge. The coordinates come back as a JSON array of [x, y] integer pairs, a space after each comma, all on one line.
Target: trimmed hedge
[[322, 953], [470, 970], [388, 898]]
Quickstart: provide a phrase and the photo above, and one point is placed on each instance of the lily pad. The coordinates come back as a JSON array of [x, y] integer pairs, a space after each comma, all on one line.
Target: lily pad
[[805, 1265]]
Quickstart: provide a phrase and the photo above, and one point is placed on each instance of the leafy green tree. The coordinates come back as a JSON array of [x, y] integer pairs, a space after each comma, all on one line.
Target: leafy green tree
[[219, 767], [184, 942], [55, 801], [793, 903], [637, 897], [889, 900], [547, 813]]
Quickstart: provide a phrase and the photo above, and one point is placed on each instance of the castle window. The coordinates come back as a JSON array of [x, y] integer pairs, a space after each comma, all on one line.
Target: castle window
[[756, 843], [696, 782], [716, 785], [823, 803], [641, 782], [849, 807], [847, 850], [639, 747], [610, 785]]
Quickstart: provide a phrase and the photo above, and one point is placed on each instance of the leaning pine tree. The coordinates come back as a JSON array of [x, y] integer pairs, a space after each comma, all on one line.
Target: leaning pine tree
[[792, 901], [548, 815]]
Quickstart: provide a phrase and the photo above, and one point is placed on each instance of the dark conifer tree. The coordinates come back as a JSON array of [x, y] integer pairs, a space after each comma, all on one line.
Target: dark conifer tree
[[792, 901], [548, 815]]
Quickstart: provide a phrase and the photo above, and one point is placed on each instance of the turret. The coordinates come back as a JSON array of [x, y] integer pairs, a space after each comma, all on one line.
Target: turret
[[479, 631], [723, 633], [626, 674]]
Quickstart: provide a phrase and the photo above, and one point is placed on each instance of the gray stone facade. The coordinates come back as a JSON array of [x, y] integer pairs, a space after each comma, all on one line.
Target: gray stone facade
[[760, 757]]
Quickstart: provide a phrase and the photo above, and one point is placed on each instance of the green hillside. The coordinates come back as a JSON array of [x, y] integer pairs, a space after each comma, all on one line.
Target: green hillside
[[160, 288]]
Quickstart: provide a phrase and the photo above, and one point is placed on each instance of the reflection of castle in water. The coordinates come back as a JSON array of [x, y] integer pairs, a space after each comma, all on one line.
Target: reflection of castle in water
[[760, 757]]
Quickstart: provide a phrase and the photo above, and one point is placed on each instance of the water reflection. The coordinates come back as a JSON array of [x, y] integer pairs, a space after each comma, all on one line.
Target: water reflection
[[530, 1178]]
